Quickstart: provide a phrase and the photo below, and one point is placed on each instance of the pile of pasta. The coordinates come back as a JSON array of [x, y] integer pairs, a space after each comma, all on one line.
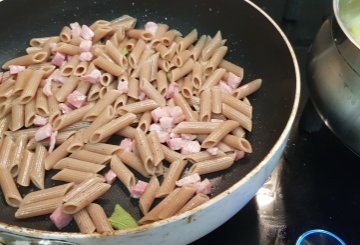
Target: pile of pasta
[[175, 100]]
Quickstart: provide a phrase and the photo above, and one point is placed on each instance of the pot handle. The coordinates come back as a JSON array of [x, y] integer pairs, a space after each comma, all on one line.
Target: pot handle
[[14, 239]]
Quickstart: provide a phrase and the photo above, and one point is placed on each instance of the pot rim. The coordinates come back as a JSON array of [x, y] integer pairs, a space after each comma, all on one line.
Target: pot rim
[[277, 146], [336, 10]]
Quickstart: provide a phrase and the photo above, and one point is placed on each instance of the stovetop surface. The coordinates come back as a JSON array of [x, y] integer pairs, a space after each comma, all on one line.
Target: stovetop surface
[[316, 185]]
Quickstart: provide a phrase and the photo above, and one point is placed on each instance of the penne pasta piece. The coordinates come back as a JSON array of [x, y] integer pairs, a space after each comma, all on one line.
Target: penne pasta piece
[[79, 165], [89, 156], [194, 202], [41, 104], [99, 218], [53, 106], [17, 117], [81, 187], [123, 173], [9, 189], [94, 92], [205, 106], [225, 148], [25, 165], [68, 49], [233, 114], [171, 155], [247, 89], [37, 173], [29, 113], [237, 104], [202, 156], [181, 72], [161, 82], [180, 59], [84, 222], [213, 79], [137, 34], [171, 176], [144, 151], [155, 146], [238, 143], [138, 107], [21, 81], [108, 66], [212, 165], [103, 148], [100, 32], [31, 87], [99, 23], [187, 87], [83, 87], [69, 86], [38, 42], [127, 132], [197, 76], [70, 175], [211, 46], [239, 132], [5, 109], [187, 41], [4, 125], [196, 127], [230, 67], [190, 115], [38, 208], [26, 60], [148, 197], [133, 161], [17, 154], [168, 37], [81, 68], [71, 117], [215, 60], [106, 79], [133, 88], [60, 138], [145, 121], [196, 50], [116, 55], [151, 92], [65, 34], [216, 100], [121, 101], [106, 116], [5, 152], [219, 133]]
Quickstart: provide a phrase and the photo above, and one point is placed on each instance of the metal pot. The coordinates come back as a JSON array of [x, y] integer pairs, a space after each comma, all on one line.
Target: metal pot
[[334, 79], [256, 50]]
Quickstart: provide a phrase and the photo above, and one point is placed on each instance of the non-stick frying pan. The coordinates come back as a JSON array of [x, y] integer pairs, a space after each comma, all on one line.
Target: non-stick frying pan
[[254, 42]]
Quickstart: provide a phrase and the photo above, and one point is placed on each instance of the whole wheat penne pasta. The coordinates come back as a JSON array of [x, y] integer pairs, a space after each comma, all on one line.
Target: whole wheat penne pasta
[[123, 173], [108, 99], [81, 68], [219, 133], [187, 41], [195, 127], [68, 49], [49, 45], [5, 108], [53, 106], [133, 88], [196, 50], [112, 127], [187, 87], [103, 148], [80, 201], [100, 32], [70, 175], [69, 86], [137, 34], [17, 154], [79, 165], [29, 113], [246, 101], [165, 65], [133, 161], [116, 55], [213, 79], [47, 68], [108, 66], [41, 104], [6, 77], [216, 100], [59, 153], [77, 189], [205, 106], [37, 173], [65, 34], [239, 132], [215, 60], [237, 104], [138, 107], [190, 115], [153, 215], [161, 29], [38, 42], [180, 59], [143, 58], [120, 101], [17, 117], [99, 23], [94, 92], [161, 82], [197, 76], [98, 216], [6, 86], [247, 89], [89, 156], [155, 146], [26, 60], [235, 115], [194, 202], [38, 208], [31, 87], [171, 176], [5, 152], [135, 54], [60, 138], [171, 155], [106, 116], [9, 189], [144, 151], [231, 67], [25, 165], [169, 36], [83, 87], [21, 81], [128, 44], [211, 46], [151, 92], [212, 165], [148, 197], [202, 156], [166, 53], [180, 72], [4, 125], [71, 117], [7, 95], [106, 79], [84, 222], [238, 143], [145, 121], [127, 132]]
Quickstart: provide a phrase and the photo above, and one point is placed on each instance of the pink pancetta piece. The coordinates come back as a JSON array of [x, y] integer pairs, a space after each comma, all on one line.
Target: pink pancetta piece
[[76, 99], [86, 32], [110, 177], [151, 27], [123, 86], [177, 114], [203, 187], [239, 155], [190, 147], [47, 88], [127, 144], [85, 56], [188, 136], [58, 59], [15, 69], [40, 121], [52, 141], [85, 45], [233, 81], [174, 135], [158, 113], [188, 180], [57, 76], [213, 151], [142, 96], [155, 127], [225, 88], [59, 218], [138, 189], [163, 136], [166, 122], [175, 143], [43, 132], [64, 108], [172, 90], [92, 77], [75, 30]]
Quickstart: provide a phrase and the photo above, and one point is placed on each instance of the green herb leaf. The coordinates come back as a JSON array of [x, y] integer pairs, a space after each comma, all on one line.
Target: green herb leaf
[[124, 51], [120, 219]]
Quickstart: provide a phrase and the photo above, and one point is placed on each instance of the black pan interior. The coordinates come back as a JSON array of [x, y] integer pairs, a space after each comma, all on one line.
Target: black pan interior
[[253, 43]]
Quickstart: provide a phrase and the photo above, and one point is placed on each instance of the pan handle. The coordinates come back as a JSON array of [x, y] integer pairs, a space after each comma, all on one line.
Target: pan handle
[[13, 239]]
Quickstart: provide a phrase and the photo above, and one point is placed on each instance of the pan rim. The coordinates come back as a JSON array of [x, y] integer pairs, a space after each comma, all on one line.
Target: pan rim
[[276, 147]]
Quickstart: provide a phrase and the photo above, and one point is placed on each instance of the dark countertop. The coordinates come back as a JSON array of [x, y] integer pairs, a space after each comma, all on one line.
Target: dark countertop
[[316, 183]]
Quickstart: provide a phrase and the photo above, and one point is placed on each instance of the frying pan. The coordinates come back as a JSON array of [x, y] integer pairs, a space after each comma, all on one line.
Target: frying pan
[[255, 42]]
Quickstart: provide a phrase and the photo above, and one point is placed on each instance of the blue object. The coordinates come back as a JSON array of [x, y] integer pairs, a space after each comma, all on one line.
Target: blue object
[[319, 237]]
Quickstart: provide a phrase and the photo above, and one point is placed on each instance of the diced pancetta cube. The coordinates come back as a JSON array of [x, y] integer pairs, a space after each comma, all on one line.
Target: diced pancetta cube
[[75, 30], [175, 143], [233, 81], [177, 114], [47, 88], [85, 45], [155, 127], [110, 177], [123, 86], [239, 155], [188, 136], [127, 144], [76, 99], [52, 141], [85, 56], [174, 135], [86, 32], [163, 136], [142, 95], [151, 27], [39, 120], [92, 77], [15, 69], [173, 89], [64, 108], [158, 113], [43, 132], [203, 187], [213, 151], [139, 189], [190, 147], [59, 218], [225, 88], [166, 123], [188, 180], [58, 59]]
